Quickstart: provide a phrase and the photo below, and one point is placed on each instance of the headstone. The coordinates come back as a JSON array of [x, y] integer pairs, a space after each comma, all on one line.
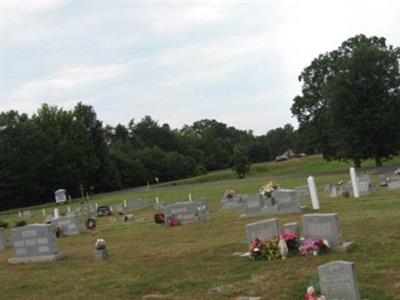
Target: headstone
[[202, 204], [282, 201], [353, 176], [338, 280], [56, 213], [234, 202], [287, 201], [264, 230], [60, 196], [394, 185], [185, 212], [3, 241], [120, 208], [26, 214], [68, 225], [35, 243], [253, 205], [365, 185], [139, 204], [325, 226], [313, 192], [337, 190], [302, 191], [291, 227]]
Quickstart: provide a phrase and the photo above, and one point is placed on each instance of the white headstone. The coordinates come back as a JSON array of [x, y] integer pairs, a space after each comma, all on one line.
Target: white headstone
[[313, 193], [354, 182]]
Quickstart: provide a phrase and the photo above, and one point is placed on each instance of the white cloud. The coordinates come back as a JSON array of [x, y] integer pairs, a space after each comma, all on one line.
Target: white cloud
[[68, 81]]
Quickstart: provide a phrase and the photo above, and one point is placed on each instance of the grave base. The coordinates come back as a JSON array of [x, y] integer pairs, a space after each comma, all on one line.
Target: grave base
[[100, 254], [44, 258], [345, 247]]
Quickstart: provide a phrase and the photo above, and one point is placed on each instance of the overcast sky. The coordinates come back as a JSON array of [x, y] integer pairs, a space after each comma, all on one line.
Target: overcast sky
[[179, 61]]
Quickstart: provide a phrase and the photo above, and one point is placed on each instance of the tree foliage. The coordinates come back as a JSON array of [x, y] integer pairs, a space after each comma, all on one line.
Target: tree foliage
[[350, 103]]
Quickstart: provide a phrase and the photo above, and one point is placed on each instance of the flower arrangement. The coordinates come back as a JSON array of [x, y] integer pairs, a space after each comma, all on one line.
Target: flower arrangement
[[310, 294], [292, 240], [159, 218], [229, 194], [172, 221], [266, 190], [100, 244], [286, 243], [267, 250], [314, 247]]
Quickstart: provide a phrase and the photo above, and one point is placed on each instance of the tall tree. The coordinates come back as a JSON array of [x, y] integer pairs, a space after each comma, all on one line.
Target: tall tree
[[351, 100]]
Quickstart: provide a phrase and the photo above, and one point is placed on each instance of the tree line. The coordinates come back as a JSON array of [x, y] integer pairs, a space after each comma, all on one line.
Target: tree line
[[57, 148], [349, 109]]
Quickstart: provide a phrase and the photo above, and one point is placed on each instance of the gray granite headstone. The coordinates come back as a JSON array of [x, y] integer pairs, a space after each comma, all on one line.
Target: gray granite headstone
[[139, 204], [186, 212], [3, 241], [68, 225], [337, 190], [338, 281], [35, 243], [254, 205], [394, 185], [264, 230], [202, 203], [302, 191], [120, 208], [26, 214], [325, 226], [287, 201], [234, 202], [291, 227]]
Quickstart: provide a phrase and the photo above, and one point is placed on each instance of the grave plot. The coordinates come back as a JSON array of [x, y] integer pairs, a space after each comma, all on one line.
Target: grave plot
[[185, 213], [35, 243], [282, 201], [231, 200]]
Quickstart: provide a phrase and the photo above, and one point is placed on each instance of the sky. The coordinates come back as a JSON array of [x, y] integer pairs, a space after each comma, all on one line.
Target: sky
[[180, 61]]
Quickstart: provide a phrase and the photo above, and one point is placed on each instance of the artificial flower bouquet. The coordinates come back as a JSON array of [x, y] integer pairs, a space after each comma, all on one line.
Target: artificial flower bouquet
[[266, 190], [229, 194]]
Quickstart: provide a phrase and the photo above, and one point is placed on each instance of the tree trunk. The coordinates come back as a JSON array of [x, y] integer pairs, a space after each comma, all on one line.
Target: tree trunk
[[357, 163], [378, 161]]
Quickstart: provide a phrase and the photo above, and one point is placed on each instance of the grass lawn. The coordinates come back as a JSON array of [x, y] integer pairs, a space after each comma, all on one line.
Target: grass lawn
[[196, 262]]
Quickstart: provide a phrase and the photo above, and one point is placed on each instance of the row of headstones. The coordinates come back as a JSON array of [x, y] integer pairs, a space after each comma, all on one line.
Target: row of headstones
[[314, 226], [365, 186], [90, 209]]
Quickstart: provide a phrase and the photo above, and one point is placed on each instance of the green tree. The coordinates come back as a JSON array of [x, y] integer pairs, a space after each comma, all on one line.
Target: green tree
[[241, 162], [351, 101]]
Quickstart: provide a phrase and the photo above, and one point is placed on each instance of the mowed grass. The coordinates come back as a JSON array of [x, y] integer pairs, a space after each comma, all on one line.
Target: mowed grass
[[196, 262]]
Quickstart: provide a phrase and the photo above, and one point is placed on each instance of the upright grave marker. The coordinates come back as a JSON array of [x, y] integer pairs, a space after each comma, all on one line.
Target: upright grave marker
[[338, 281], [186, 212], [35, 243], [68, 225], [264, 230], [325, 226]]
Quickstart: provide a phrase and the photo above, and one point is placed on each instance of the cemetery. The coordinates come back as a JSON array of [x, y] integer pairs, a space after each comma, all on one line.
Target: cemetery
[[323, 251]]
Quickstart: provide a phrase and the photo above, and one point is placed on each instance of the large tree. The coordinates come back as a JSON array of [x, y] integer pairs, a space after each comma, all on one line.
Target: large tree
[[350, 102]]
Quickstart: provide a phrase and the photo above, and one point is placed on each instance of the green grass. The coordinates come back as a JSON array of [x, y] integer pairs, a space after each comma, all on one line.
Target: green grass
[[196, 262]]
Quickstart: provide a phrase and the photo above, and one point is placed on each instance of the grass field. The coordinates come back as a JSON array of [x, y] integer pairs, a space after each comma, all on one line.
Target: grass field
[[196, 262]]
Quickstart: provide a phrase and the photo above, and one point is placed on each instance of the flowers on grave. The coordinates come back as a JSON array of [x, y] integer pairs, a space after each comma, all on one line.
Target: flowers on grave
[[310, 294], [291, 239], [314, 247], [91, 223], [229, 194], [172, 221], [100, 244], [267, 250], [266, 190], [159, 218]]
